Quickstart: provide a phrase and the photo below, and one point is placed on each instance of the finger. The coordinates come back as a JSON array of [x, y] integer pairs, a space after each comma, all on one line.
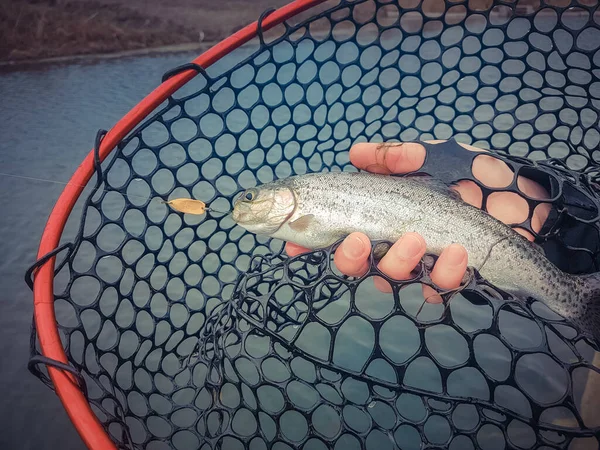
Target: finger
[[352, 256], [295, 249], [400, 260], [450, 267], [403, 256], [388, 158]]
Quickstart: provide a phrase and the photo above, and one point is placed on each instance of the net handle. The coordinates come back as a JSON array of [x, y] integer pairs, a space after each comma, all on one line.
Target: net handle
[[77, 407]]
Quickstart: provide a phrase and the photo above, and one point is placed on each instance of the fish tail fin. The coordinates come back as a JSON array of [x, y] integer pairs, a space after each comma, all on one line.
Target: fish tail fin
[[589, 308]]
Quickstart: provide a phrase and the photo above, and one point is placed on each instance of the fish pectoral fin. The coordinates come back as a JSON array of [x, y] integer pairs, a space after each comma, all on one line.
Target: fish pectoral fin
[[302, 223]]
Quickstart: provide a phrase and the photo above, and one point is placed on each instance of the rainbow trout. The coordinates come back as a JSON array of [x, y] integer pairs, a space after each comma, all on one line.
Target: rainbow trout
[[316, 210]]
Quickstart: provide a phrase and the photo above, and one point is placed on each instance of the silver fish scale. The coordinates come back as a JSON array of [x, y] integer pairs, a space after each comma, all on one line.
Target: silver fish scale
[[385, 207]]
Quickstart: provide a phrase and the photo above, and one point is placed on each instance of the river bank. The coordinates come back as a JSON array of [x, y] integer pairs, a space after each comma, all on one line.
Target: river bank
[[63, 30]]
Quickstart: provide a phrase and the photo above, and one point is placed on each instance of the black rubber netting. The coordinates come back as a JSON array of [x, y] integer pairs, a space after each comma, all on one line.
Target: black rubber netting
[[196, 334]]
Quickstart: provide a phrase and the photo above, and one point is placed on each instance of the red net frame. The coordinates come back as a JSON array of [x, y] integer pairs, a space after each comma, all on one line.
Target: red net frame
[[77, 407]]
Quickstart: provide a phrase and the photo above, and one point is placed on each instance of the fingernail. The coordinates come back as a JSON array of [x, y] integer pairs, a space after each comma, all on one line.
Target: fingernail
[[455, 255], [409, 246], [353, 247]]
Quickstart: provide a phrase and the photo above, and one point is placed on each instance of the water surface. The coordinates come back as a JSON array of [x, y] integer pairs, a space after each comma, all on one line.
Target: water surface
[[48, 121]]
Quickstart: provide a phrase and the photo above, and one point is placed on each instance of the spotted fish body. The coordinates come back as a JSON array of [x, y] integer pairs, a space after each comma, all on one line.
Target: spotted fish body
[[316, 210]]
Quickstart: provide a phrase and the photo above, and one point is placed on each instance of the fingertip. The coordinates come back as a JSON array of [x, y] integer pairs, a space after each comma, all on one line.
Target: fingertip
[[450, 267], [359, 151], [420, 246], [356, 245], [352, 255], [403, 256], [456, 255]]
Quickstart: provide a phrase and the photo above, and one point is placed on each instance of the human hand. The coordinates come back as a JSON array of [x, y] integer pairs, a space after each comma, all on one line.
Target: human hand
[[352, 256]]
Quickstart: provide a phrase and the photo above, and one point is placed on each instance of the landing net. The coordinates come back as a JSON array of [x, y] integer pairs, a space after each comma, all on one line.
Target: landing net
[[187, 332]]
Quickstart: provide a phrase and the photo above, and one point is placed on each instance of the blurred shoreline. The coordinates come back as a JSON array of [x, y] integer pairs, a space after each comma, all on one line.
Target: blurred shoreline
[[44, 31], [90, 57], [62, 31]]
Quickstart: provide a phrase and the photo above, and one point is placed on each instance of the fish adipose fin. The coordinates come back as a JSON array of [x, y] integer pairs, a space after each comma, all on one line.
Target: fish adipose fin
[[302, 223]]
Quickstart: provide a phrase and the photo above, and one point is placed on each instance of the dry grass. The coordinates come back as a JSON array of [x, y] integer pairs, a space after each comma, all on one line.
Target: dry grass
[[33, 29]]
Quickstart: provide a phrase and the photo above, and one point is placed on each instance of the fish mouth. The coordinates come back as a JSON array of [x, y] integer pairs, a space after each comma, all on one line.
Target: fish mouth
[[238, 215], [243, 213]]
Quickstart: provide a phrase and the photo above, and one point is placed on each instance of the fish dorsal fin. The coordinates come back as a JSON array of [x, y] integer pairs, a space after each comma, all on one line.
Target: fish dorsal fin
[[302, 222], [434, 184]]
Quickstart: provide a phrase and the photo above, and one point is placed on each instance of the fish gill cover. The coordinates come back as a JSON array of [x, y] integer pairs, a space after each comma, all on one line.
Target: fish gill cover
[[191, 333]]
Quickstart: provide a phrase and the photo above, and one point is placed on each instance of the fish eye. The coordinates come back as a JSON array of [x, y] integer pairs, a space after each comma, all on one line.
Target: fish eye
[[249, 195]]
